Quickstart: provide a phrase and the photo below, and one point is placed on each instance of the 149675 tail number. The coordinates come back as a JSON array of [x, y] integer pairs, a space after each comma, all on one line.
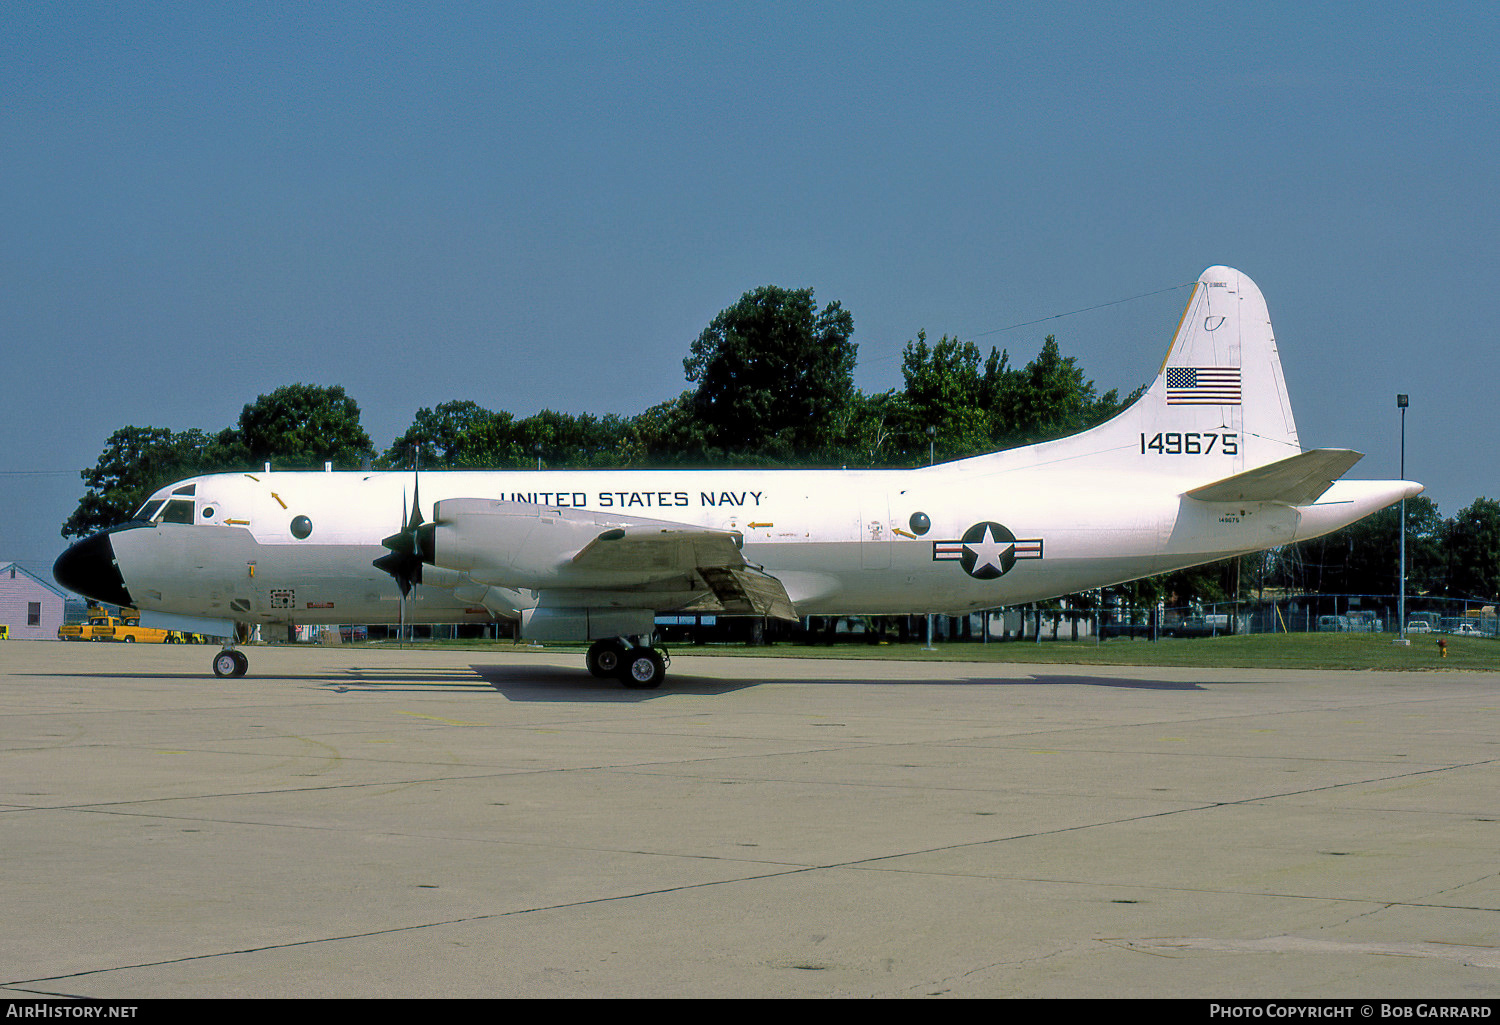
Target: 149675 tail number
[[1191, 443]]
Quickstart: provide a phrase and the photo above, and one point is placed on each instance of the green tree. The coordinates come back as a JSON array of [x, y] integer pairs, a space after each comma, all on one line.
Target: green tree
[[304, 425], [458, 435], [667, 434], [565, 439], [1048, 398], [138, 460], [868, 433], [945, 391], [1471, 551], [773, 371], [298, 425], [1363, 558]]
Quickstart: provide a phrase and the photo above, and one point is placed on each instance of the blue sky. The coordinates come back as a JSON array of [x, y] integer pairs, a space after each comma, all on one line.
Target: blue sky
[[542, 205]]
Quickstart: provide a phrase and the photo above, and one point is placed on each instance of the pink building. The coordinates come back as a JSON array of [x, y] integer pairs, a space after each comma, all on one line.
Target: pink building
[[29, 605]]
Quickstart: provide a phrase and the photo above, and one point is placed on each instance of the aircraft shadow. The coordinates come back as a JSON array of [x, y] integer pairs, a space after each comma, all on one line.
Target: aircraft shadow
[[457, 680], [552, 683], [556, 683], [1109, 681], [1005, 681]]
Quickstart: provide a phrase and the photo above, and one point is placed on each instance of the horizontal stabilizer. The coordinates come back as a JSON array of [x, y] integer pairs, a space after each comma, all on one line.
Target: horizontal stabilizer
[[1298, 480]]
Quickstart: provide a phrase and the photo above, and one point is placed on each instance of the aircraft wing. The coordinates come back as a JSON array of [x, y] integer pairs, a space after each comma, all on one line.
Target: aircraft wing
[[597, 556], [1297, 480], [653, 549]]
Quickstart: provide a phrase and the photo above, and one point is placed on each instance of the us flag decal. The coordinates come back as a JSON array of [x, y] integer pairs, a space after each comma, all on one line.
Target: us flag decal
[[1203, 386]]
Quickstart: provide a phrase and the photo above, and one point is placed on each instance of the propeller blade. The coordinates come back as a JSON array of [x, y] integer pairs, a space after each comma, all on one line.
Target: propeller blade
[[404, 558]]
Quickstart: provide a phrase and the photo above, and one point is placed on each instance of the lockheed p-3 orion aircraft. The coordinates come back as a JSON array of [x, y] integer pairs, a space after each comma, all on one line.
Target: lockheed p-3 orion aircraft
[[1205, 465]]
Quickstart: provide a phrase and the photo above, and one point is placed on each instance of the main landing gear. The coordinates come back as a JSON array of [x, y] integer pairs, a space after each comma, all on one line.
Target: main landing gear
[[230, 662], [639, 666]]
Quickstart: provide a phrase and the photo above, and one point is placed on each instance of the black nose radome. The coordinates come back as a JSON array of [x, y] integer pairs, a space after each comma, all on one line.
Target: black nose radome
[[88, 568]]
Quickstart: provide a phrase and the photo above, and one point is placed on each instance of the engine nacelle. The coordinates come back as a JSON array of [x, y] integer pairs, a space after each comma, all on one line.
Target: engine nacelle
[[579, 624], [519, 545], [511, 544]]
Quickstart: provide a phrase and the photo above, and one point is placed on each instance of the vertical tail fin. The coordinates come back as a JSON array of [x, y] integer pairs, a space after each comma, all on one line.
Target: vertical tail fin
[[1223, 374], [1217, 407]]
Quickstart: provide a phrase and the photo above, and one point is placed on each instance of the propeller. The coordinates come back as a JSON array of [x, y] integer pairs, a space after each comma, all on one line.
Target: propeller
[[404, 560]]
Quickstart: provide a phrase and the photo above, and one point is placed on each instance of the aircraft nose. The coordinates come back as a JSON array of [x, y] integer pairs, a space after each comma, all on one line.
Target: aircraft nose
[[89, 568]]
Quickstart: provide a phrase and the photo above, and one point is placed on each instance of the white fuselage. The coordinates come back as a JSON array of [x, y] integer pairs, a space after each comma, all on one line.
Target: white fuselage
[[840, 541]]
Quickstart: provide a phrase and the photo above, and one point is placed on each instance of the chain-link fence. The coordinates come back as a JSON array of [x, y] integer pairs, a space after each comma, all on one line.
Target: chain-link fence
[[1300, 613]]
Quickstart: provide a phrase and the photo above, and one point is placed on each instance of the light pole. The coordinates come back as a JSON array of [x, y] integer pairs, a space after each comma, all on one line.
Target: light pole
[[1401, 637], [931, 459]]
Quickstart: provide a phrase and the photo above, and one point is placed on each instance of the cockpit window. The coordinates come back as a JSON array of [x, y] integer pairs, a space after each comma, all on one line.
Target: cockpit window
[[179, 510], [148, 510], [186, 489]]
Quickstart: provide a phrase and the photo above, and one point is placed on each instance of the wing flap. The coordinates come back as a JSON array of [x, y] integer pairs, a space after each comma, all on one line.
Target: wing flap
[[749, 592], [1297, 480], [655, 549]]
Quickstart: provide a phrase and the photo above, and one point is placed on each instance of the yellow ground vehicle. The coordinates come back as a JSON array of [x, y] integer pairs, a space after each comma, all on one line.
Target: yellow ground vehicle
[[89, 630], [126, 628], [130, 631]]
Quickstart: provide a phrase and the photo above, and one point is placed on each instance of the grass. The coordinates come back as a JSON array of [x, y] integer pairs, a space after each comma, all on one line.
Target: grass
[[1262, 651]]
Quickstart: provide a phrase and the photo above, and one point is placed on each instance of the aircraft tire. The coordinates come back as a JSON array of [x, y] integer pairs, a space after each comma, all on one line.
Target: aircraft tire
[[643, 669], [230, 663], [604, 658]]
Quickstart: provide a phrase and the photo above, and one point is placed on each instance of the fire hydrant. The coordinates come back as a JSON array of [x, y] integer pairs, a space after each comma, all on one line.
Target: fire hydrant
[[1442, 647]]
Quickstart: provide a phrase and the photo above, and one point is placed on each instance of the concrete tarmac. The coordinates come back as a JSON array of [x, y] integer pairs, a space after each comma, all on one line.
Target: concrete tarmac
[[354, 822]]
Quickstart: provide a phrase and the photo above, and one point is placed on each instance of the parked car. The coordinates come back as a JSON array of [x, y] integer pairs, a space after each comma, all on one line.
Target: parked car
[[1467, 630], [1417, 626]]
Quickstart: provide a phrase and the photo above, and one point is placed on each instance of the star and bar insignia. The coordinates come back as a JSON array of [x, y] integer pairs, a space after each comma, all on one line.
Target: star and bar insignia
[[987, 550]]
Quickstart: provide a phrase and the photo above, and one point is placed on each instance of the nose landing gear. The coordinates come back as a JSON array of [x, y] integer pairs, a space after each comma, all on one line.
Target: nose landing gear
[[230, 662]]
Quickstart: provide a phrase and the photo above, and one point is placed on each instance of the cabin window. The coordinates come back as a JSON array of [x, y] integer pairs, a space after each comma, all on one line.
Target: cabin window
[[301, 527], [920, 524], [179, 510]]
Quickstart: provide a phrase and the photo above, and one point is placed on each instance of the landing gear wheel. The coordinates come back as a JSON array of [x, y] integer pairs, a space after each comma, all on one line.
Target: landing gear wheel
[[644, 669], [604, 658], [230, 663]]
